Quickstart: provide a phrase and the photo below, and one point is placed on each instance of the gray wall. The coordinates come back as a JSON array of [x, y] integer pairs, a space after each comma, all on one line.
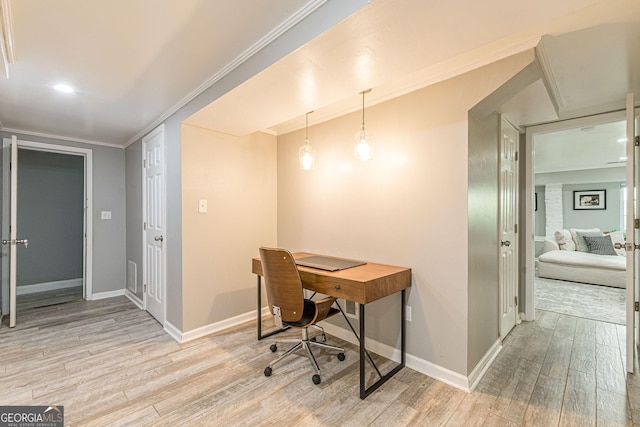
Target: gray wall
[[607, 219], [50, 216], [133, 161], [109, 236], [329, 14], [483, 236]]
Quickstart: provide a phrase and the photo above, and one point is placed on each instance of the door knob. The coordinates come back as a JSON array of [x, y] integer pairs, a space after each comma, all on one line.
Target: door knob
[[505, 243], [158, 238], [25, 242]]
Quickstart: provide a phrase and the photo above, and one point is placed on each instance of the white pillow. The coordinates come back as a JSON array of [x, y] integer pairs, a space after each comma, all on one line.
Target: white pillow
[[565, 241], [618, 237], [578, 240]]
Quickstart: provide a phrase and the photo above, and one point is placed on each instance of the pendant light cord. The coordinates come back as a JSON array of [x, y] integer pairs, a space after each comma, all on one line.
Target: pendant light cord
[[363, 93], [306, 127]]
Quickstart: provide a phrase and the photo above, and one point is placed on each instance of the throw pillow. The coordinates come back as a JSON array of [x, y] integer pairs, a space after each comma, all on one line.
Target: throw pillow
[[600, 245], [618, 237], [579, 241], [564, 240]]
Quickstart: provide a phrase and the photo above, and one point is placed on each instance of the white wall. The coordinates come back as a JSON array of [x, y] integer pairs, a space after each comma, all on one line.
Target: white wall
[[237, 177], [407, 207]]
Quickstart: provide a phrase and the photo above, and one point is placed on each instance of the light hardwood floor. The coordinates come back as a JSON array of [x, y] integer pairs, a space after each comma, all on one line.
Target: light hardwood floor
[[42, 299], [108, 363]]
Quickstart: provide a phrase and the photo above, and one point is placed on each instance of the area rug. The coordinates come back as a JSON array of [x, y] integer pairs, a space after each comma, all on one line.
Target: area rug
[[581, 300]]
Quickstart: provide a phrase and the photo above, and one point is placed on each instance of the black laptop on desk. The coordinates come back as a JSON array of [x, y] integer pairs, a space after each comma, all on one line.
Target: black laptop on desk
[[328, 263]]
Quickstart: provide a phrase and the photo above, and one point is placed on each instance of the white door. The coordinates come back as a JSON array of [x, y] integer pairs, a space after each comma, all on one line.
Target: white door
[[12, 152], [154, 223], [508, 211], [632, 235]]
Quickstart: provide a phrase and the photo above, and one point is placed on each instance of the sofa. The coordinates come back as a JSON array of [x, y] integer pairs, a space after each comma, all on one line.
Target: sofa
[[567, 257]]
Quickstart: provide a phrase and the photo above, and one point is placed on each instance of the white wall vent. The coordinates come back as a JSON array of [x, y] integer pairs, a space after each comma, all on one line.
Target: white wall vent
[[132, 276]]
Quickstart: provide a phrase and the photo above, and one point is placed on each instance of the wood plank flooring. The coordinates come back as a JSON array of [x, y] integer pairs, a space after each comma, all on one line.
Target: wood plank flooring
[[110, 363], [53, 297]]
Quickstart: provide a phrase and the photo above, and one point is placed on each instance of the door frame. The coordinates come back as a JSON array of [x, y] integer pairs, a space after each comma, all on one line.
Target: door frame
[[530, 245], [87, 154], [147, 137]]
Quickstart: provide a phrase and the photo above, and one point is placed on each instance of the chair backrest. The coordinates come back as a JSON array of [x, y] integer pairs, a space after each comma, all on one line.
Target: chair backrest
[[282, 283]]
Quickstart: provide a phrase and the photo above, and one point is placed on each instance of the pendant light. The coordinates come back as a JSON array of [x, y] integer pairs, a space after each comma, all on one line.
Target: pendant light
[[362, 146], [306, 154]]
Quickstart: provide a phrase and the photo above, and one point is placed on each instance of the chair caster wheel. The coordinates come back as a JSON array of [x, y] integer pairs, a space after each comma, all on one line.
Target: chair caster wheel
[[313, 339], [324, 338], [316, 379], [341, 356], [267, 371], [273, 348]]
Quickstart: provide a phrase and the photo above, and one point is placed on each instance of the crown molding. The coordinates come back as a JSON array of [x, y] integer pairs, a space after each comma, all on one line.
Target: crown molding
[[7, 28], [285, 26], [548, 78], [6, 36], [61, 138]]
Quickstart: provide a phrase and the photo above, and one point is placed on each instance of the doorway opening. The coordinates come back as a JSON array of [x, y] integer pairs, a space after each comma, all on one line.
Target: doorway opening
[[53, 194], [579, 214]]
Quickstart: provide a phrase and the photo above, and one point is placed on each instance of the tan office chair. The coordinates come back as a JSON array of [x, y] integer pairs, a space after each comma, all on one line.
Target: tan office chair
[[287, 303]]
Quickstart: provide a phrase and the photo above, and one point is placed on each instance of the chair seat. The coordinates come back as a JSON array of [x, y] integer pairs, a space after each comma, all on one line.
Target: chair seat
[[309, 313]]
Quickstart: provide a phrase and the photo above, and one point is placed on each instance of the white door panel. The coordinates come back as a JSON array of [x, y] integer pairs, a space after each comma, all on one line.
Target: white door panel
[[633, 237], [154, 217], [508, 270]]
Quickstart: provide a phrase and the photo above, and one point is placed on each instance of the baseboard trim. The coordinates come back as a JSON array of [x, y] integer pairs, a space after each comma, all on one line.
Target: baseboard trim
[[172, 331], [483, 365], [220, 326], [134, 299], [109, 294], [48, 286], [430, 369]]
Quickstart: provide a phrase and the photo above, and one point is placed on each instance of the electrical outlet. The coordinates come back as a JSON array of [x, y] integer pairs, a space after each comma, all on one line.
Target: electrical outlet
[[408, 313]]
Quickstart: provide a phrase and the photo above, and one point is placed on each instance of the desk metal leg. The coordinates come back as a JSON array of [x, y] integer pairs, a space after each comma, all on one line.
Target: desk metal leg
[[259, 310], [364, 392]]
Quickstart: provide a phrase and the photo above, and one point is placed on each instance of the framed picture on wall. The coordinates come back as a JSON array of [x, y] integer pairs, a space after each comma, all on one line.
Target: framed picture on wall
[[590, 200]]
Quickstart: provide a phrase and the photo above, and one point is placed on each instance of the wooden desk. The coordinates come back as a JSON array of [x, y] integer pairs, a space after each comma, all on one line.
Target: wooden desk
[[362, 284]]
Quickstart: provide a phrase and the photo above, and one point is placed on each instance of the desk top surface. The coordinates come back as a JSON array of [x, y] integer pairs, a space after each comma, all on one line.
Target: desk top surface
[[362, 284]]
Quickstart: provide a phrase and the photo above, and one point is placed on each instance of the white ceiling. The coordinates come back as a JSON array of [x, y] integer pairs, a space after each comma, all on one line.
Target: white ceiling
[[133, 60], [130, 60], [589, 147]]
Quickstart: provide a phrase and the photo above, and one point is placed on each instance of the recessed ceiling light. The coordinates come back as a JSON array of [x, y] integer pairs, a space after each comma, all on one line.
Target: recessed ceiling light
[[62, 87], [622, 139]]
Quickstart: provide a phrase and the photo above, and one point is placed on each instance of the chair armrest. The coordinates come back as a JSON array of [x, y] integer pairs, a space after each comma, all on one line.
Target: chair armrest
[[550, 245], [322, 308]]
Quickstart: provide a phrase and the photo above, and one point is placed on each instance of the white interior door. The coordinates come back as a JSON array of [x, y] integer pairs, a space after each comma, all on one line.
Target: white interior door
[[154, 224], [508, 269], [633, 236], [12, 241]]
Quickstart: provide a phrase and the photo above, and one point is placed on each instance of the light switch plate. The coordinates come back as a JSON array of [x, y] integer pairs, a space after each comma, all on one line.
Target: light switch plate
[[202, 206], [105, 215]]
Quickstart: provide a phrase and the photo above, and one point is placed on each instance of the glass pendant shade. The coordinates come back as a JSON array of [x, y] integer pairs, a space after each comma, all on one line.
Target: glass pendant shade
[[306, 155], [362, 146]]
